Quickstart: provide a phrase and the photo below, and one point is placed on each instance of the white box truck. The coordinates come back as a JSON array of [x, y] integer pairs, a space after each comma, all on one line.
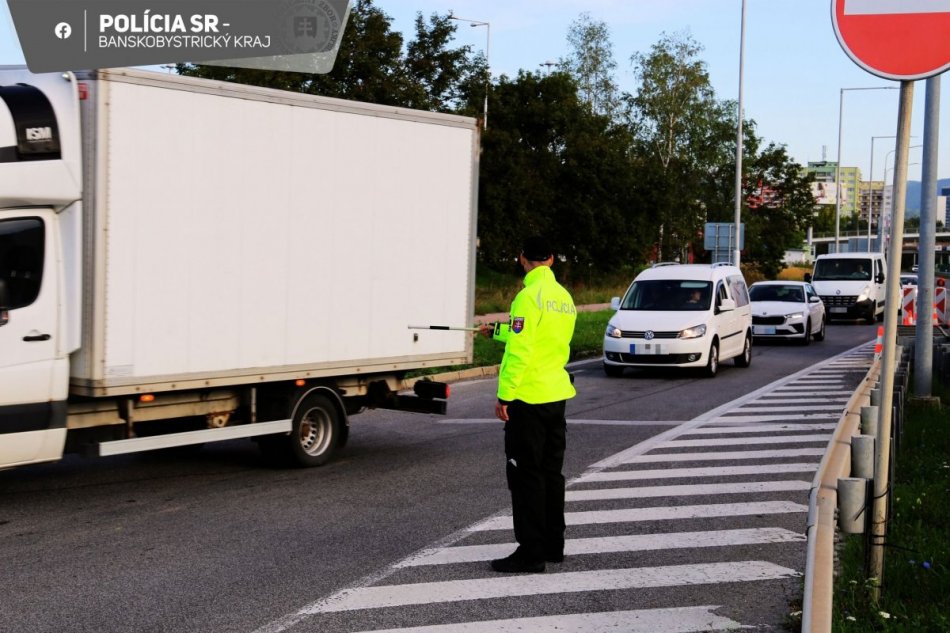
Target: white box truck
[[184, 261]]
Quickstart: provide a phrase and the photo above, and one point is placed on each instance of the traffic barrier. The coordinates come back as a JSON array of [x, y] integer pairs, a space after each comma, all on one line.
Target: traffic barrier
[[879, 345], [940, 305], [908, 306]]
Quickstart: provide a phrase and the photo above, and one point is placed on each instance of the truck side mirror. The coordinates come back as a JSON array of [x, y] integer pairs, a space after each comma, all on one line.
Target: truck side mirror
[[807, 278], [4, 311]]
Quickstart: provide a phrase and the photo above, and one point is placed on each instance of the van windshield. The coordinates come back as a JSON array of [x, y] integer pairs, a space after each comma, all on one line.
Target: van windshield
[[668, 295], [841, 269]]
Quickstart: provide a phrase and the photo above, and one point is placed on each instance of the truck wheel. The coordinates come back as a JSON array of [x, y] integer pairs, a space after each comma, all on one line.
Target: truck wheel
[[315, 434], [712, 365]]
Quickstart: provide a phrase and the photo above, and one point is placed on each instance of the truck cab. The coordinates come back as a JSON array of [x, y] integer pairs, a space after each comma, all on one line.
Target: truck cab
[[40, 172]]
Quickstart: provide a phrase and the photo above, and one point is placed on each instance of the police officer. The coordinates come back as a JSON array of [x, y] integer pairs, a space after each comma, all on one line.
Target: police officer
[[533, 389]]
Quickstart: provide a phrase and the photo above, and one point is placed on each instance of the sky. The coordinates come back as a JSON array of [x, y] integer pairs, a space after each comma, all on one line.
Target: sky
[[794, 69]]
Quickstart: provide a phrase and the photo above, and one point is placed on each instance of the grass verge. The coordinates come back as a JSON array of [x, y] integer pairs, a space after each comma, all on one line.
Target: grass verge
[[915, 595]]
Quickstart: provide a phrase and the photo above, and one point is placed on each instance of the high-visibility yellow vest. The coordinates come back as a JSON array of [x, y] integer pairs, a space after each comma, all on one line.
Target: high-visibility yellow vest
[[537, 341]]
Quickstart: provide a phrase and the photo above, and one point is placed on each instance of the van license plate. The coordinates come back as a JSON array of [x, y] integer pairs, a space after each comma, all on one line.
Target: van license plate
[[839, 310]]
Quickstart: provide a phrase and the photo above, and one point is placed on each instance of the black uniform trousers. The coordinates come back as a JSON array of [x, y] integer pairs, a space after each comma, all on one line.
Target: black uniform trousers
[[534, 448]]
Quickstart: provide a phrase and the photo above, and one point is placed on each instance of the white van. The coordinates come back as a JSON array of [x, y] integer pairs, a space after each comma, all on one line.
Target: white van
[[851, 285], [681, 315]]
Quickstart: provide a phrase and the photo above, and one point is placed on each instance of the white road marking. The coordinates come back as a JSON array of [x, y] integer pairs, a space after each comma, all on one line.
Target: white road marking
[[689, 490], [803, 407], [673, 620], [732, 441], [785, 417], [760, 428], [679, 473], [675, 513], [612, 544], [728, 456], [572, 422], [384, 596]]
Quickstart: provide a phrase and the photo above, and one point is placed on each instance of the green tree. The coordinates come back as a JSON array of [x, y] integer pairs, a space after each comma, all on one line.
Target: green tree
[[591, 63], [372, 67], [780, 207], [550, 165], [683, 136], [444, 79]]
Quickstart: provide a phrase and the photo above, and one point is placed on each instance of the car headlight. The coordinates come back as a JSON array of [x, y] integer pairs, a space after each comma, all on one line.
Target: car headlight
[[796, 316], [864, 294], [693, 332], [612, 332]]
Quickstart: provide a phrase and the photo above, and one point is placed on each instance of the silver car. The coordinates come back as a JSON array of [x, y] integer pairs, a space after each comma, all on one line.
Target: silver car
[[787, 310]]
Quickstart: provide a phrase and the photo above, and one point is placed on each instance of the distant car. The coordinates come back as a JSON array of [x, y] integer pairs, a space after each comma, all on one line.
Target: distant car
[[787, 310], [907, 279]]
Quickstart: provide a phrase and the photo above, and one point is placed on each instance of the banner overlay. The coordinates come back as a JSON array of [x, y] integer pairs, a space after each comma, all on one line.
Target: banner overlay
[[294, 35]]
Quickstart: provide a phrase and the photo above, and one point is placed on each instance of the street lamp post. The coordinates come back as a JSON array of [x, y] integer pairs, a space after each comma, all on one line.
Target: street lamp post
[[838, 165], [738, 207], [487, 26], [870, 192]]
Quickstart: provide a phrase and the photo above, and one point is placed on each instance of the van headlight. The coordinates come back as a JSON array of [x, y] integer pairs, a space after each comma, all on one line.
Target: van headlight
[[693, 332], [864, 294], [612, 332]]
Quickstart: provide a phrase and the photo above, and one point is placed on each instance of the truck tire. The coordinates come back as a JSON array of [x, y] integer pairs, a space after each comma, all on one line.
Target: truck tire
[[316, 430], [316, 433]]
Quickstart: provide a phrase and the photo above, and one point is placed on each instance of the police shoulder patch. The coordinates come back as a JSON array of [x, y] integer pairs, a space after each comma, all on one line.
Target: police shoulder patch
[[517, 324]]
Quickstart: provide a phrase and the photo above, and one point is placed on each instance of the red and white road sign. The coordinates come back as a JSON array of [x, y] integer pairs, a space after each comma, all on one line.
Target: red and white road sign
[[895, 39]]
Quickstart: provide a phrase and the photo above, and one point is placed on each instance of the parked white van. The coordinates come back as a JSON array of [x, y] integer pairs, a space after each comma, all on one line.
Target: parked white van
[[851, 285], [681, 315]]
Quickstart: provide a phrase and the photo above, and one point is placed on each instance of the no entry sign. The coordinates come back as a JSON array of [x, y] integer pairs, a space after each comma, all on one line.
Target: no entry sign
[[895, 39]]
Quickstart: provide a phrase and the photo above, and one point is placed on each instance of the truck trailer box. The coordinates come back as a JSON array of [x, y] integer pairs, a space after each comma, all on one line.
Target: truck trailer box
[[234, 233]]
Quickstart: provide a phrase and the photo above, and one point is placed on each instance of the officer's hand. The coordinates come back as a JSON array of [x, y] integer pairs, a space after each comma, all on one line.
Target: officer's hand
[[501, 411], [486, 329]]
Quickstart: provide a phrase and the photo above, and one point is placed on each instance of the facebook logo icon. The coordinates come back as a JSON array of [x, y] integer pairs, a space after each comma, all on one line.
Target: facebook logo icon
[[63, 30], [305, 27]]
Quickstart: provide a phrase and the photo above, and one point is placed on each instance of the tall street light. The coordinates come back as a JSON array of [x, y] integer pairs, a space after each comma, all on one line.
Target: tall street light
[[487, 26], [838, 165], [870, 192], [738, 208]]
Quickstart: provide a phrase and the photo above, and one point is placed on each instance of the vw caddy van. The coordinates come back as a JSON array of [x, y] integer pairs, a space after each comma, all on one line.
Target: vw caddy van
[[681, 315]]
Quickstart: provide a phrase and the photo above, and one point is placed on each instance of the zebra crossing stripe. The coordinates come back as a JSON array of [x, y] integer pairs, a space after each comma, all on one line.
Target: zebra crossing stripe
[[801, 407], [802, 399], [727, 456], [759, 428], [732, 441], [673, 620], [384, 596], [611, 544], [785, 417], [673, 513], [697, 490], [677, 473]]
